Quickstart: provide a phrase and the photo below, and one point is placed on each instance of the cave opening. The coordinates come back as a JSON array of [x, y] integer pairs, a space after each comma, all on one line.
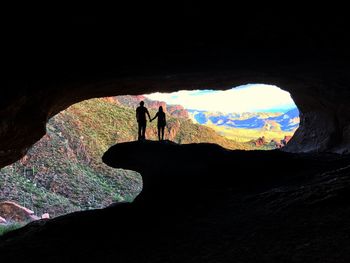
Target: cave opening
[[63, 172], [246, 117]]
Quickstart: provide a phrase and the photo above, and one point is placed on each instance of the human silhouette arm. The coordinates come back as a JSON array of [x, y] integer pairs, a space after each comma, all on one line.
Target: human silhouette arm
[[149, 117], [154, 117], [137, 115]]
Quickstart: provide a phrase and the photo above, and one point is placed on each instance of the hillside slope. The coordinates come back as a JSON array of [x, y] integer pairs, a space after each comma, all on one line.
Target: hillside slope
[[64, 169]]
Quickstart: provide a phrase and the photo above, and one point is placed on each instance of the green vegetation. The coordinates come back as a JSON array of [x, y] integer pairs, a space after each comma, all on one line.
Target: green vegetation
[[68, 171], [188, 132], [9, 227]]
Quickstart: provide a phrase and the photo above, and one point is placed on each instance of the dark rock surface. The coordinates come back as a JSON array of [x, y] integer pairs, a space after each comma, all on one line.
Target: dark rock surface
[[59, 57], [202, 203]]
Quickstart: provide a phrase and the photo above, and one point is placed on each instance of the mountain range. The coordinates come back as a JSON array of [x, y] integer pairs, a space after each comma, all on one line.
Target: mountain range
[[288, 121]]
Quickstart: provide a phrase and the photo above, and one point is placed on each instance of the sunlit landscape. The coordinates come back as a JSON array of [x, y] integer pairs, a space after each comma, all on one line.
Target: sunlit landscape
[[242, 114]]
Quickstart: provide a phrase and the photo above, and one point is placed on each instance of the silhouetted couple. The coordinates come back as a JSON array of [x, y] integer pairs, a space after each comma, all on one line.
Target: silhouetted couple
[[141, 112]]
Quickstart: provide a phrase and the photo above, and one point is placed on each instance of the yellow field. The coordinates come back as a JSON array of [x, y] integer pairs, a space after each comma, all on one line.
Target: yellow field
[[245, 135]]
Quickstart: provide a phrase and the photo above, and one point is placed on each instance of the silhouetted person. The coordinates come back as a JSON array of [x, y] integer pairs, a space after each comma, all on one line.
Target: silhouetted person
[[161, 122], [141, 112]]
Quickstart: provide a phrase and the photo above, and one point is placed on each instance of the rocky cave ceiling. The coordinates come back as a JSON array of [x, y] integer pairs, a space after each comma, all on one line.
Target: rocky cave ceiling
[[54, 59]]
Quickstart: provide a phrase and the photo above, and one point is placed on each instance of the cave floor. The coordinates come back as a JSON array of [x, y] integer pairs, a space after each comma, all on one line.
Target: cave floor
[[202, 203]]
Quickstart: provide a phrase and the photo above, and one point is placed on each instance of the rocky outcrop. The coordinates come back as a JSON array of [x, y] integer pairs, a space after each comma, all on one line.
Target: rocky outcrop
[[177, 111], [281, 143], [203, 203], [285, 140], [200, 161], [13, 212], [2, 220], [45, 216], [277, 144], [260, 141]]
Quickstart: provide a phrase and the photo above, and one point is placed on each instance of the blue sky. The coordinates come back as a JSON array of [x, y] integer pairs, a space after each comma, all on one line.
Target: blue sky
[[245, 98]]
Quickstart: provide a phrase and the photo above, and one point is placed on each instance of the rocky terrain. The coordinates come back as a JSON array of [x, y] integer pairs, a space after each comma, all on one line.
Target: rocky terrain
[[205, 211]]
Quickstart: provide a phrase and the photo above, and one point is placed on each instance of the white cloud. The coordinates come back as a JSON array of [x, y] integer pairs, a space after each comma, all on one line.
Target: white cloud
[[246, 98]]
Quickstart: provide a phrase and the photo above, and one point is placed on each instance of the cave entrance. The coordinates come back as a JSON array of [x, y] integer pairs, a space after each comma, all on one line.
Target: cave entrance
[[66, 170], [248, 117]]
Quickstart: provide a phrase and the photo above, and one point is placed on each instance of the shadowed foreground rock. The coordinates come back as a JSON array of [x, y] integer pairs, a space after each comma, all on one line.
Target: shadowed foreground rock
[[202, 203]]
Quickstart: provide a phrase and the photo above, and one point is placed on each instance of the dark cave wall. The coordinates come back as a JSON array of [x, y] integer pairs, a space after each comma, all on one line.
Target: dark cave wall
[[323, 127], [54, 59], [324, 120], [319, 94]]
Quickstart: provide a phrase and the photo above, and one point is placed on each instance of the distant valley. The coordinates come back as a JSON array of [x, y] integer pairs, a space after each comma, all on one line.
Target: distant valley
[[247, 126]]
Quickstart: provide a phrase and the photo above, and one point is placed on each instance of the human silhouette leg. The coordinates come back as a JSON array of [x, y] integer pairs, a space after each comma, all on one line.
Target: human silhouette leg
[[144, 131], [139, 131], [159, 133], [162, 132]]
